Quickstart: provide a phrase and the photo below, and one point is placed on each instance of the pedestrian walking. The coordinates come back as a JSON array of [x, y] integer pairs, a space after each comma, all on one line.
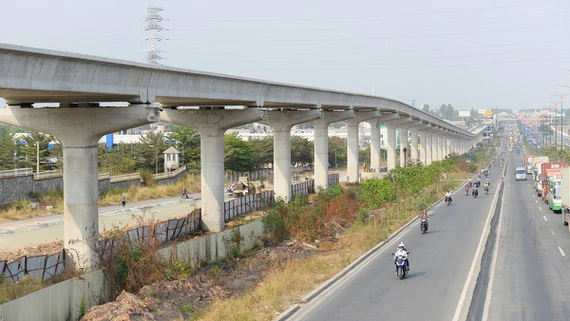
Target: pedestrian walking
[[184, 193], [123, 200]]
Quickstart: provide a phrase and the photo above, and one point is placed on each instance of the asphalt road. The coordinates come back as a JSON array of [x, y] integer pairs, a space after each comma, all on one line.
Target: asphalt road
[[531, 277], [440, 262], [38, 230]]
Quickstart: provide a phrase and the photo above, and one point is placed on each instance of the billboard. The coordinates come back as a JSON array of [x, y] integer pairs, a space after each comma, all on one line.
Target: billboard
[[464, 113]]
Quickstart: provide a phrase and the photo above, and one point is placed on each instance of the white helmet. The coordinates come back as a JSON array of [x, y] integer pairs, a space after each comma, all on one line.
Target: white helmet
[[401, 246]]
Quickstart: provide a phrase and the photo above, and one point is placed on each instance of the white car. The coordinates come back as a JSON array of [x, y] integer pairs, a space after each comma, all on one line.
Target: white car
[[520, 174]]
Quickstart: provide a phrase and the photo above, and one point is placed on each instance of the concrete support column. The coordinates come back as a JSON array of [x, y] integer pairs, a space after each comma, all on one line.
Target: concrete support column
[[282, 122], [353, 166], [375, 161], [212, 124], [321, 145], [391, 146], [441, 147], [79, 129], [414, 155], [435, 147], [403, 145], [352, 151], [428, 147]]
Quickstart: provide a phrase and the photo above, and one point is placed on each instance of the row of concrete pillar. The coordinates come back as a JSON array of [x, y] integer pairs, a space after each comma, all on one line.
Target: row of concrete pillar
[[79, 129]]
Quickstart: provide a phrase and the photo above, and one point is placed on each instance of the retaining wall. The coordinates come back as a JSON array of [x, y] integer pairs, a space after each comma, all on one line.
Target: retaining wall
[[61, 301]]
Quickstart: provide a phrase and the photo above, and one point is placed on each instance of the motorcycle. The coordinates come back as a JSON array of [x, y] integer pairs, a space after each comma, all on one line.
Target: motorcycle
[[467, 191], [401, 265], [486, 190], [448, 200], [424, 225], [475, 193]]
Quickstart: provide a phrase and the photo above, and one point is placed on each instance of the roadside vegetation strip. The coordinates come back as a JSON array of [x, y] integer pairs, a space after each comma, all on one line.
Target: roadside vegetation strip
[[283, 288]]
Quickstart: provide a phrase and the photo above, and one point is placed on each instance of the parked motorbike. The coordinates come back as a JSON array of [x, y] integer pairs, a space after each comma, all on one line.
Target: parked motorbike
[[401, 265], [424, 225]]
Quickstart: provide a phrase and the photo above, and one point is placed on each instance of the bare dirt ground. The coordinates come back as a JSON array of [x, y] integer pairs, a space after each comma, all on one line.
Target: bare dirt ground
[[182, 299], [32, 250]]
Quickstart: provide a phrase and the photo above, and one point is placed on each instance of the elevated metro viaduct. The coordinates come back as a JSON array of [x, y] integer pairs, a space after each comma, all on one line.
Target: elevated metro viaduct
[[82, 85]]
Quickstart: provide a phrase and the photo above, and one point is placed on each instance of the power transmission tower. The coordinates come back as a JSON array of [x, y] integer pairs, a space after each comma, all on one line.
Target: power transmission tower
[[153, 27]]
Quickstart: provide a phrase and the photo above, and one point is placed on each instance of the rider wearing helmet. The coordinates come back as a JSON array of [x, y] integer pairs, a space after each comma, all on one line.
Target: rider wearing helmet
[[402, 251]]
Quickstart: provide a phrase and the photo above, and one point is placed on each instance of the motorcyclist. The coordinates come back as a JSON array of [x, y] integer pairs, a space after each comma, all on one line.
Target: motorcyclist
[[448, 196], [402, 251], [424, 215], [475, 192]]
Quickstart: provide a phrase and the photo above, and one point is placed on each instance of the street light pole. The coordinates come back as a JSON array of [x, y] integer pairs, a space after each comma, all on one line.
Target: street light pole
[[561, 96]]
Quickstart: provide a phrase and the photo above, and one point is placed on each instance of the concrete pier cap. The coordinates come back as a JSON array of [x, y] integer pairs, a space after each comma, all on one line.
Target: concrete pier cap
[[352, 143], [321, 144], [79, 130], [282, 122], [212, 124]]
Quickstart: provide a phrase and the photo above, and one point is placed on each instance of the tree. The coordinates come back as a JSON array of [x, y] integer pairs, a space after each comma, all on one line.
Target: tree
[[301, 151], [337, 152], [262, 149], [8, 148], [426, 108], [188, 144], [151, 147], [238, 154], [36, 151]]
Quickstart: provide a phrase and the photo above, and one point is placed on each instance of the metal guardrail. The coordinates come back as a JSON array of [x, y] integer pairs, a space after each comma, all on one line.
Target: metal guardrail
[[170, 174], [126, 177], [16, 172], [48, 174]]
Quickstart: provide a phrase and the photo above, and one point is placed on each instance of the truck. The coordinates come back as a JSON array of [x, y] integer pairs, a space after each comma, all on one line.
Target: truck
[[565, 195], [554, 193], [537, 172], [528, 163], [548, 170]]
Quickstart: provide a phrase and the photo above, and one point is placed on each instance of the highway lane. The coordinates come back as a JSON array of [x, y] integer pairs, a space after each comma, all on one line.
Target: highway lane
[[531, 279], [440, 263]]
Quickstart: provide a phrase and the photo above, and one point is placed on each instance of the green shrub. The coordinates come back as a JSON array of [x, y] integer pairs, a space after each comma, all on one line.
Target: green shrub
[[376, 192]]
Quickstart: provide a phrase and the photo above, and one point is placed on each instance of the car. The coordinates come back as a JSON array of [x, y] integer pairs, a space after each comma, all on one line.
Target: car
[[520, 174]]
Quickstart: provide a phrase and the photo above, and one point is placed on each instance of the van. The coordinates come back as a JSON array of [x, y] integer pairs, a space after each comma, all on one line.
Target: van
[[520, 174]]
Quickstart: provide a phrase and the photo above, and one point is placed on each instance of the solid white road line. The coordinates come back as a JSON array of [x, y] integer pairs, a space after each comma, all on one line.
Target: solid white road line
[[476, 258], [492, 267], [544, 217], [561, 252]]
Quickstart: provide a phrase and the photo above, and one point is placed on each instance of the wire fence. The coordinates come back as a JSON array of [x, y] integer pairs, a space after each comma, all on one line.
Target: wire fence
[[304, 188], [41, 267], [334, 179], [45, 267], [246, 204]]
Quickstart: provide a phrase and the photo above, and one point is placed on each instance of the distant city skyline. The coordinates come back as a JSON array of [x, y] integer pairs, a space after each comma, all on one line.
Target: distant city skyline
[[477, 55]]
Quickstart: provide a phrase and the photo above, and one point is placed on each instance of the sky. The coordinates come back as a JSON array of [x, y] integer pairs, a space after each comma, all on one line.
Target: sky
[[470, 54]]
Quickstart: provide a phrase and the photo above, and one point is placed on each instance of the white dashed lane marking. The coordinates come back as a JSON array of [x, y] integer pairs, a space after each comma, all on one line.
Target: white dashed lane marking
[[544, 217], [551, 231], [561, 252], [536, 201]]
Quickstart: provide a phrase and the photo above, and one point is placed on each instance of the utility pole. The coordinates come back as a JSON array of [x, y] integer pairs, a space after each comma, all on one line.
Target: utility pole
[[153, 27]]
